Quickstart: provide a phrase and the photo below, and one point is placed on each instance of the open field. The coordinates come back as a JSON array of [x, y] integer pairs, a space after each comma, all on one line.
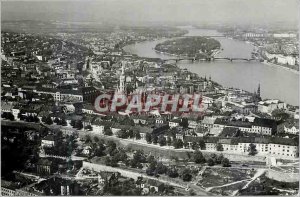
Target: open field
[[221, 176]]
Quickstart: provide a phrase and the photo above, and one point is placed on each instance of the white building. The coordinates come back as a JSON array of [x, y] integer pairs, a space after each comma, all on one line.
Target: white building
[[281, 58], [97, 128], [268, 106], [292, 130], [284, 35], [174, 123], [48, 141]]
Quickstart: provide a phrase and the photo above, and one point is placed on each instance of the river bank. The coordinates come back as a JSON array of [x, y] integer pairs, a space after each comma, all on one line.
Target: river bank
[[275, 81], [280, 66], [264, 58]]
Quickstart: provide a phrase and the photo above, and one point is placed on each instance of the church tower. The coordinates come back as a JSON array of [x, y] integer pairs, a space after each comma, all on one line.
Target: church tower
[[122, 80]]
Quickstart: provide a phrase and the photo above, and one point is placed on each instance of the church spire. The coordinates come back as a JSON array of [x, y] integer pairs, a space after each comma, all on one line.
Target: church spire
[[122, 80], [258, 90]]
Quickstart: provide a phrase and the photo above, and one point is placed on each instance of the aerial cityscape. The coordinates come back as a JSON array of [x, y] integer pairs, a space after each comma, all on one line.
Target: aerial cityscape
[[149, 98]]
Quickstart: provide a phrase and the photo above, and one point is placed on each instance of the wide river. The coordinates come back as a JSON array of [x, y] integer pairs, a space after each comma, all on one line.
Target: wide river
[[276, 82]]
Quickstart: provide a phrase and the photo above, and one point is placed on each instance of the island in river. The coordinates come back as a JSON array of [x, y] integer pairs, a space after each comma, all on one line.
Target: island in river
[[199, 47]]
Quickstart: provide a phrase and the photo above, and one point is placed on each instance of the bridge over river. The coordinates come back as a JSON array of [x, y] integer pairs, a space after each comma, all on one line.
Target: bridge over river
[[210, 59]]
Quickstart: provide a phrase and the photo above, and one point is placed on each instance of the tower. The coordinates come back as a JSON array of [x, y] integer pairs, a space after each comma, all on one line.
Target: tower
[[258, 90], [122, 80]]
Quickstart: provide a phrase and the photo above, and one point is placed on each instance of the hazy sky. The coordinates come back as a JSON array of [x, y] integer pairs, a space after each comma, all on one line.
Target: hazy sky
[[202, 11]]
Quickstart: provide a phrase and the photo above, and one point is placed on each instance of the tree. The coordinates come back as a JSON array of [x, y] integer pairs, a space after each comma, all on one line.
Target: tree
[[114, 161], [186, 175], [20, 116], [281, 114], [202, 144], [48, 121], [198, 157], [225, 162], [10, 116], [195, 146], [56, 120], [88, 139], [219, 159], [185, 144], [36, 119], [127, 121], [4, 115], [252, 149], [107, 160], [44, 118], [29, 118], [150, 159], [169, 141], [151, 170], [111, 146], [130, 133], [121, 155], [154, 139], [99, 150], [107, 131], [172, 172], [88, 127], [138, 158], [79, 125], [210, 162], [63, 122], [162, 140], [152, 190], [69, 146], [219, 147], [161, 168], [192, 192], [73, 123], [148, 138], [122, 134], [177, 143], [96, 139], [184, 123], [137, 135]]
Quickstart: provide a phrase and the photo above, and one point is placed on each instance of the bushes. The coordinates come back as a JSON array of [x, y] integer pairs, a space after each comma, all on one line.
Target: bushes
[[252, 149], [124, 134], [8, 115], [214, 159], [198, 157], [177, 143], [225, 162]]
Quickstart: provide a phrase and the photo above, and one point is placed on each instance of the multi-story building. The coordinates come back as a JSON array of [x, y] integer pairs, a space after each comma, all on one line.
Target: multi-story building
[[75, 94], [264, 126], [267, 106]]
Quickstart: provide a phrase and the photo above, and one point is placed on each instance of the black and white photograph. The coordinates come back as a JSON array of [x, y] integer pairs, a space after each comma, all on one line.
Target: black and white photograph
[[150, 97]]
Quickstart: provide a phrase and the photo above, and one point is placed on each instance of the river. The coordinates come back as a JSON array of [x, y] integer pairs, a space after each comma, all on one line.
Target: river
[[275, 82]]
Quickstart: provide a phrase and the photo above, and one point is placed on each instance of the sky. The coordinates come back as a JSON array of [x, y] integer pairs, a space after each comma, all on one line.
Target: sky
[[160, 11]]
